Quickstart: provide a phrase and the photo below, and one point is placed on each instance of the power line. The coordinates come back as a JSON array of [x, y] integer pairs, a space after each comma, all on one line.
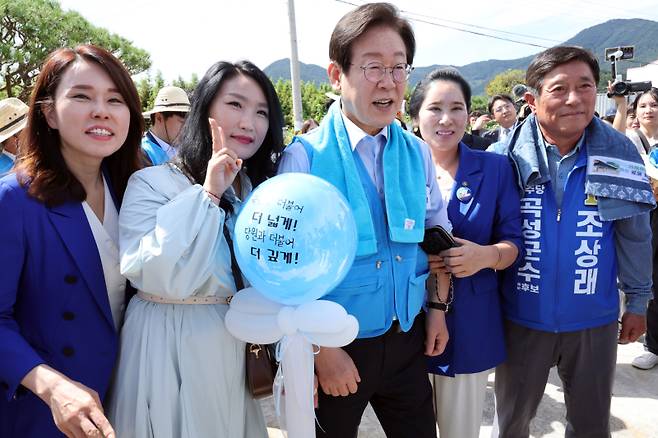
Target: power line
[[482, 33], [478, 33], [481, 27], [459, 29]]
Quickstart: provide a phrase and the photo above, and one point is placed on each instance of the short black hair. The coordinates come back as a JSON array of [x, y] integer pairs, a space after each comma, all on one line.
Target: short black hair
[[440, 74], [358, 21], [496, 97], [554, 57]]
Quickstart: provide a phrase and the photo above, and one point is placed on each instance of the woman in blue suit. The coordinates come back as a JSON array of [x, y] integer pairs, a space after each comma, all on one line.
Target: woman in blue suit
[[483, 207], [61, 294]]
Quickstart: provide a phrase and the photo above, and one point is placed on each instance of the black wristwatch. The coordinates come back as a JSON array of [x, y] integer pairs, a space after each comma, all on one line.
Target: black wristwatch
[[443, 307]]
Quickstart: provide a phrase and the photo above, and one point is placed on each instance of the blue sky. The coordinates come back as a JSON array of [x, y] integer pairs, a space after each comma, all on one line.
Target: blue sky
[[187, 36]]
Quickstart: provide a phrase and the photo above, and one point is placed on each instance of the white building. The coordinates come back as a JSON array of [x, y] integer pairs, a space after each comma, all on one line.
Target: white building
[[648, 72]]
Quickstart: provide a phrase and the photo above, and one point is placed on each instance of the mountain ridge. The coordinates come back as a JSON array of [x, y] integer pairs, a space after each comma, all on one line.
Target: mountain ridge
[[636, 32]]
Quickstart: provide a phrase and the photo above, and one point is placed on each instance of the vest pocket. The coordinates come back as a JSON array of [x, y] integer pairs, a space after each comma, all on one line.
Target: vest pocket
[[362, 296], [416, 295]]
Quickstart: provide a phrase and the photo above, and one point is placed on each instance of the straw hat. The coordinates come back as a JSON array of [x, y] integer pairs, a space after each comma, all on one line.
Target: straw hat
[[170, 99], [13, 117]]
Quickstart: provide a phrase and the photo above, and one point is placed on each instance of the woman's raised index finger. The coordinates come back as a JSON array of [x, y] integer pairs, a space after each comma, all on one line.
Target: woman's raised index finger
[[217, 135]]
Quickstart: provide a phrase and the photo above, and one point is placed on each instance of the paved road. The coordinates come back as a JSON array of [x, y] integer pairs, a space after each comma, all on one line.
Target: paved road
[[634, 405]]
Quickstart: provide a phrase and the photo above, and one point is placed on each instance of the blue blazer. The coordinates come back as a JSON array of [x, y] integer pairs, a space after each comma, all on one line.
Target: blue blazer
[[54, 307], [475, 323]]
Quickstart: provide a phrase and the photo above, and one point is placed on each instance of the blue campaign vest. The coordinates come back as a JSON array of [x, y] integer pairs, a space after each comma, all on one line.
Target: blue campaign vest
[[384, 285], [156, 154], [6, 164], [567, 278]]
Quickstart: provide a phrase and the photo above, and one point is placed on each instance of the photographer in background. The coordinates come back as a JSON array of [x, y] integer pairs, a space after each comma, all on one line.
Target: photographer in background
[[645, 107], [477, 121], [504, 113], [523, 110], [645, 138]]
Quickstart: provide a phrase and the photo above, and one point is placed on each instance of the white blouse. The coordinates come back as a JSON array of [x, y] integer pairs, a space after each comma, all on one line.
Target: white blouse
[[106, 235], [635, 138]]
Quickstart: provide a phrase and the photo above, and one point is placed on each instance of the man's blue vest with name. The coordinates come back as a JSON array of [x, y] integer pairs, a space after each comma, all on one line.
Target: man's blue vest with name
[[567, 278], [384, 285]]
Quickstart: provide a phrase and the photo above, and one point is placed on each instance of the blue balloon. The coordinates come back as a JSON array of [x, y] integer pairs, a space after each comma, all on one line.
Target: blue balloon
[[295, 238]]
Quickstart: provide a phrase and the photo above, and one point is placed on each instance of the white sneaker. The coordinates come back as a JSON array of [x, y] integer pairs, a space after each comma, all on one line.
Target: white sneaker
[[645, 361]]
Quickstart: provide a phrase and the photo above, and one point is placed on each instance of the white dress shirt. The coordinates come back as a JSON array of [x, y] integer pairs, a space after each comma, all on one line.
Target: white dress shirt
[[106, 235]]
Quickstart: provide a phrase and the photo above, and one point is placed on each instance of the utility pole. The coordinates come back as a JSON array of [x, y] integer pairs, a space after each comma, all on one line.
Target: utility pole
[[294, 68]]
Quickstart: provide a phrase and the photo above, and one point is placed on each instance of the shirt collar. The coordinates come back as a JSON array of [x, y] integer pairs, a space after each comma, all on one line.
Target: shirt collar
[[10, 155], [169, 149], [553, 148], [356, 134], [163, 144]]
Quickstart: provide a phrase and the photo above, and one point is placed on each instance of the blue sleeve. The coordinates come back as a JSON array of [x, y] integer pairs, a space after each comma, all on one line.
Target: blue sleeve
[[500, 148], [294, 159], [507, 224], [18, 357], [634, 261]]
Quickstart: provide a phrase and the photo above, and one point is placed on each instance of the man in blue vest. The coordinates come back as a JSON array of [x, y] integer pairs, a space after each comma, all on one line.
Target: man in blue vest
[[388, 178], [585, 208], [13, 118], [170, 107]]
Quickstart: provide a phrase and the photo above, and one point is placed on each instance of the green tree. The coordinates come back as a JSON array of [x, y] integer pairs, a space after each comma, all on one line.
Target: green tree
[[31, 29], [148, 88], [283, 89], [479, 103], [313, 100], [604, 77], [503, 82], [188, 86]]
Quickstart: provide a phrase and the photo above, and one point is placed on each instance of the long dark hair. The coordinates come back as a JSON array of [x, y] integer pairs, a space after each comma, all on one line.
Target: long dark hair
[[195, 141], [41, 165]]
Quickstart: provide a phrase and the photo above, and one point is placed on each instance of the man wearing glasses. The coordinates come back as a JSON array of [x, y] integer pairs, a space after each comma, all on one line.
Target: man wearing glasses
[[170, 107], [388, 178], [504, 112]]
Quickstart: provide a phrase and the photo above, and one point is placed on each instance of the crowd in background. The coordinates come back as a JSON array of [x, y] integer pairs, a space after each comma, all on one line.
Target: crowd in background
[[117, 243]]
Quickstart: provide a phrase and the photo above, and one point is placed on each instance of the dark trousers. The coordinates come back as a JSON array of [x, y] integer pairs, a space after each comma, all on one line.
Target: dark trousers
[[651, 339], [393, 373], [585, 362]]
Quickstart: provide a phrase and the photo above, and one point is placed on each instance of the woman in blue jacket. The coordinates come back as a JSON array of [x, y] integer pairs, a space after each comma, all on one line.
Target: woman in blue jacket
[[483, 207], [61, 295]]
